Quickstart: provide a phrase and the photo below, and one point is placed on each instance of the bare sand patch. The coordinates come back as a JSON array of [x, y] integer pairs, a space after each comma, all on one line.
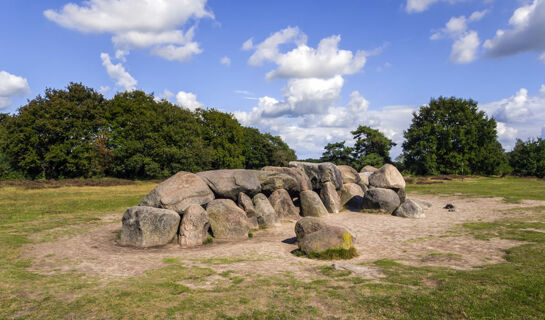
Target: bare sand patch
[[429, 241]]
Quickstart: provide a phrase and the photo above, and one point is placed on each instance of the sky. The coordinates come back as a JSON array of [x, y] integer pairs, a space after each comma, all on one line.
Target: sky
[[309, 71]]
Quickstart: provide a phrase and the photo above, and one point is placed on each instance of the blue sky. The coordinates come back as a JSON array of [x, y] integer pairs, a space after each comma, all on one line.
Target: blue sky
[[309, 71]]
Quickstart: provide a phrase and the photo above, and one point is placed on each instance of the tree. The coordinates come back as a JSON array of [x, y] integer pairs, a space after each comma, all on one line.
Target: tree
[[451, 136], [371, 148], [225, 135], [337, 153], [528, 158], [54, 136]]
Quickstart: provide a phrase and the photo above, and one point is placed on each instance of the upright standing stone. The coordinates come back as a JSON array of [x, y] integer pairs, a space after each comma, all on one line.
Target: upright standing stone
[[246, 204], [382, 199], [350, 175], [227, 220], [409, 209], [283, 206], [351, 196], [311, 205], [330, 198], [194, 227], [266, 216]]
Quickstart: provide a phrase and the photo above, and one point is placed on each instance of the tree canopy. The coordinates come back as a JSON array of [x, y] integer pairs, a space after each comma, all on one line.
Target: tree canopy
[[528, 158], [451, 136], [76, 132]]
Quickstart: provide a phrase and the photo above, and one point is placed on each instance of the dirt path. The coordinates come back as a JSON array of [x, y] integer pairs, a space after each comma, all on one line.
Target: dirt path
[[430, 241]]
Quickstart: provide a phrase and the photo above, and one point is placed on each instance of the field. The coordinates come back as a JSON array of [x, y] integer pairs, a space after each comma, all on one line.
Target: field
[[59, 260]]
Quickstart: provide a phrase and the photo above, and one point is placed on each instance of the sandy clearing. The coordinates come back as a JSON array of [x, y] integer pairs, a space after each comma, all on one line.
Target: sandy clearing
[[429, 241]]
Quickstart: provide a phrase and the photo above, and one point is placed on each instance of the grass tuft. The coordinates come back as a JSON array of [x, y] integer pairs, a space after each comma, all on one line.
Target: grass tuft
[[329, 254]]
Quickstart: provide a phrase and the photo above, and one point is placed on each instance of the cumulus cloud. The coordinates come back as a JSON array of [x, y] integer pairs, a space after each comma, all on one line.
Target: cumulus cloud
[[526, 32], [11, 86], [118, 73], [415, 6], [138, 24], [466, 42], [226, 61], [188, 100], [308, 115], [522, 115]]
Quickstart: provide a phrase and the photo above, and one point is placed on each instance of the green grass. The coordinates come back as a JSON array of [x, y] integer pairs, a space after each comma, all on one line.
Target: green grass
[[514, 289], [512, 189], [330, 254]]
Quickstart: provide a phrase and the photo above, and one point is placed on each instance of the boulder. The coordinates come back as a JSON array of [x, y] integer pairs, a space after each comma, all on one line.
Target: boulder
[[179, 192], [194, 227], [227, 221], [402, 194], [148, 227], [364, 179], [320, 173], [423, 203], [330, 198], [387, 177], [349, 174], [409, 209], [298, 174], [315, 236], [285, 209], [271, 181], [311, 205], [370, 169], [351, 196], [381, 199], [229, 183], [246, 204], [266, 216]]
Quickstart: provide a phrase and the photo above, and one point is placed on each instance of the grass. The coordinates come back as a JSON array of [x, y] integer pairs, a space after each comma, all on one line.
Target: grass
[[512, 189], [514, 289], [330, 254]]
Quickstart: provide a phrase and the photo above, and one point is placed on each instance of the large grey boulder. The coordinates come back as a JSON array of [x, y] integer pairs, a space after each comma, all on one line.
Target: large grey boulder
[[351, 196], [179, 192], [194, 227], [311, 205], [266, 216], [320, 173], [298, 174], [370, 169], [315, 236], [350, 175], [330, 198], [271, 181], [148, 227], [229, 183], [246, 204], [409, 209], [227, 221], [382, 199], [387, 177], [283, 206]]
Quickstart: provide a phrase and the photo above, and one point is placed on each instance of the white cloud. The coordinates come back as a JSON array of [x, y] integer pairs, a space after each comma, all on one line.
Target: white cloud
[[464, 50], [118, 73], [166, 95], [325, 61], [542, 89], [466, 42], [248, 44], [522, 115], [188, 100], [11, 86], [527, 32], [542, 57], [414, 6], [138, 24], [226, 61]]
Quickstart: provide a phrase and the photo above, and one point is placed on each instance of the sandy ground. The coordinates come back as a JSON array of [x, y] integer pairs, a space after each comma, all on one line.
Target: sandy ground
[[435, 240]]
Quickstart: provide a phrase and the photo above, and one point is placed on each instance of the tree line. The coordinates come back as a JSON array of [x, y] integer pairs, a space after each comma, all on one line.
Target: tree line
[[447, 136], [77, 132]]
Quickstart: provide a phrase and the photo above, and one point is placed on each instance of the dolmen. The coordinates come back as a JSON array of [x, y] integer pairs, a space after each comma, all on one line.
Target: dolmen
[[191, 209]]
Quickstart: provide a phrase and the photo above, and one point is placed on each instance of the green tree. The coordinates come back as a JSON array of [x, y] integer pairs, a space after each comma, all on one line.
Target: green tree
[[528, 158], [150, 139], [55, 135], [225, 135], [337, 153], [371, 148], [451, 136]]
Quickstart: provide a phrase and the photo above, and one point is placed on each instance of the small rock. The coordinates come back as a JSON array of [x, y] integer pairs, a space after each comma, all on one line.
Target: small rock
[[409, 209]]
